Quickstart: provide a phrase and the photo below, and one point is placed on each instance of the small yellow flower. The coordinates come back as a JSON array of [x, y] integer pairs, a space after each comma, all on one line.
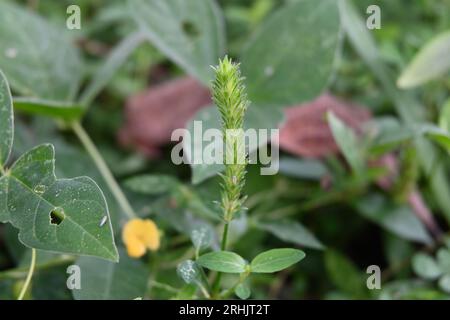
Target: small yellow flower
[[140, 235]]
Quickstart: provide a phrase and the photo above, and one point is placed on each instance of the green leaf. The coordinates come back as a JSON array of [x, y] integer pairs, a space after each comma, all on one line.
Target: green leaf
[[191, 33], [38, 59], [431, 62], [113, 62], [391, 134], [275, 260], [54, 109], [400, 221], [407, 107], [443, 259], [6, 122], [65, 215], [104, 280], [437, 135], [344, 274], [291, 56], [348, 143], [151, 184], [302, 168], [190, 272], [202, 236], [223, 261], [257, 117], [444, 283], [291, 231], [425, 266], [444, 117], [243, 291]]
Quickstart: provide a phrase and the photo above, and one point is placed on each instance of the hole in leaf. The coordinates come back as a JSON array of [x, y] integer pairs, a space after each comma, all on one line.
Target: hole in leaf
[[57, 216], [190, 29]]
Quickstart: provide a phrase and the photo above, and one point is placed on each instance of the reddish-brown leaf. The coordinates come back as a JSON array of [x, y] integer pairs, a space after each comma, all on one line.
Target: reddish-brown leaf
[[306, 132], [151, 116]]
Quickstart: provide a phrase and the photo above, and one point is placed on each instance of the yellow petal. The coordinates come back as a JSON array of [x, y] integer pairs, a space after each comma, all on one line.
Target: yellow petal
[[139, 235], [135, 248], [151, 235]]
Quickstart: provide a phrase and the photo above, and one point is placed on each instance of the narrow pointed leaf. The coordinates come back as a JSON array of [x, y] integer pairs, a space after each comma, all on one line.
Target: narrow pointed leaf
[[54, 109], [432, 61], [6, 121]]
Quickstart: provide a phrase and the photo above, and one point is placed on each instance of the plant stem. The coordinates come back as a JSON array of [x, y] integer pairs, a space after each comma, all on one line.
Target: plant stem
[[29, 275], [104, 169], [223, 245]]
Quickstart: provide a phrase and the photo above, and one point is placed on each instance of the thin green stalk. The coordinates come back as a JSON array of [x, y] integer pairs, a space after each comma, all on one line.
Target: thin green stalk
[[29, 275], [104, 169], [223, 245]]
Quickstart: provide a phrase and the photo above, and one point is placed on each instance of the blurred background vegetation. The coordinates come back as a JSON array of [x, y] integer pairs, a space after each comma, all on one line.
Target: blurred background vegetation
[[344, 222]]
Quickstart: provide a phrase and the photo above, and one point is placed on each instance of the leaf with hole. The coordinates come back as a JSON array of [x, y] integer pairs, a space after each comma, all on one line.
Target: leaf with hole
[[191, 33], [223, 261], [61, 215], [276, 260]]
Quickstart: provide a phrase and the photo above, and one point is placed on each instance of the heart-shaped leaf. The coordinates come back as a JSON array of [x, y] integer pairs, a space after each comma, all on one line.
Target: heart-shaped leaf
[[38, 58], [223, 261], [191, 33], [291, 56], [65, 215], [6, 121], [275, 260]]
